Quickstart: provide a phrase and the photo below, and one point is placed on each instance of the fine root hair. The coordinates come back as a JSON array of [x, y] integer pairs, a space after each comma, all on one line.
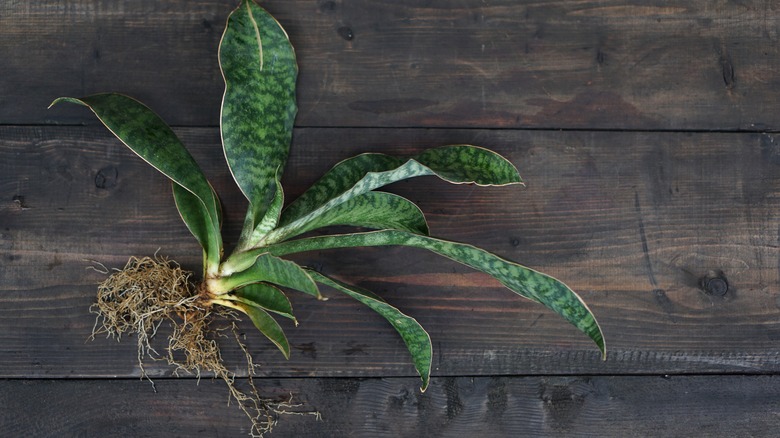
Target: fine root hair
[[148, 292]]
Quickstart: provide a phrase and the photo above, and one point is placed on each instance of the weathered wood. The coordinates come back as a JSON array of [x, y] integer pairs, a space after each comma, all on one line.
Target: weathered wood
[[672, 238], [608, 64], [632, 221], [716, 406]]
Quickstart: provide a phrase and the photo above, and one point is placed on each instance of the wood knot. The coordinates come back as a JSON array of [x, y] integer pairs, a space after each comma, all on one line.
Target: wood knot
[[714, 283], [20, 203], [106, 177], [727, 70]]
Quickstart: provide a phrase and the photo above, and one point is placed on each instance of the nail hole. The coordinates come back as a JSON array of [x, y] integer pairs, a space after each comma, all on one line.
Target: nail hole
[[346, 33]]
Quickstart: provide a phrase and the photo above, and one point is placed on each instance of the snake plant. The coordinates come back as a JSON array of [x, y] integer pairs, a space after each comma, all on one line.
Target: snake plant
[[258, 112]]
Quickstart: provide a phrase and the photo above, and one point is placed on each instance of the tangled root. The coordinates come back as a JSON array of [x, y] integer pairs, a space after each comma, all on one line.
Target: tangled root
[[150, 291]]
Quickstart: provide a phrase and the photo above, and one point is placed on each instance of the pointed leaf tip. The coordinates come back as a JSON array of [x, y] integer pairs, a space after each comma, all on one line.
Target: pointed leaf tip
[[356, 176], [66, 99], [417, 340], [523, 281], [467, 164], [149, 137]]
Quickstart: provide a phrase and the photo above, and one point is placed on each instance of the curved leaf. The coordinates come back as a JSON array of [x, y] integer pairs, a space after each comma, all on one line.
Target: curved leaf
[[263, 322], [270, 269], [265, 296], [336, 181], [146, 134], [195, 216], [251, 237], [258, 107], [463, 164], [378, 210], [417, 340], [459, 164], [522, 280]]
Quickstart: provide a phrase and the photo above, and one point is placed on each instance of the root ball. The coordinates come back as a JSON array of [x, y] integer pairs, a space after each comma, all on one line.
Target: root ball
[[149, 291]]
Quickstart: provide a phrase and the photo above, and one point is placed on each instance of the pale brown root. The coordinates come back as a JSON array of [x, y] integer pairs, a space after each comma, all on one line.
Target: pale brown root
[[150, 291]]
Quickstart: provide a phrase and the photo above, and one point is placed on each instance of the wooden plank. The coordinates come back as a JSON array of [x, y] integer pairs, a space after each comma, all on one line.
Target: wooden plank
[[632, 221], [715, 406], [601, 64]]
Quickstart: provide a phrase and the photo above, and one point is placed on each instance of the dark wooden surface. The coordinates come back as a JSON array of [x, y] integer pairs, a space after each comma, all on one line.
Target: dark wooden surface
[[736, 406], [646, 136], [611, 64]]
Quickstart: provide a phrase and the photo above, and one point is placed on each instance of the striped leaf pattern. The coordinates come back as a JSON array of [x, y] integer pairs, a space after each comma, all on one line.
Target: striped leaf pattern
[[377, 210], [522, 280], [271, 269], [266, 296], [269, 221], [258, 108], [459, 164], [264, 322], [417, 340], [146, 134]]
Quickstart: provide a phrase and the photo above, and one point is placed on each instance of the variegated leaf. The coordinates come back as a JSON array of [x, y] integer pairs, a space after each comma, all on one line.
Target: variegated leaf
[[263, 322], [524, 281], [266, 296], [335, 182], [258, 108], [459, 164], [146, 134], [417, 340], [270, 269], [268, 223], [377, 210], [195, 217]]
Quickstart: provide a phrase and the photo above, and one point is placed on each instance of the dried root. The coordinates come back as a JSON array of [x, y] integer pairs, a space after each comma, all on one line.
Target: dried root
[[150, 291]]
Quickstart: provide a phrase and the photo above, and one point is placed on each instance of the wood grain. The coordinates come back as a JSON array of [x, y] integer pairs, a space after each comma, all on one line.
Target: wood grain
[[631, 220], [644, 132], [716, 406], [601, 64]]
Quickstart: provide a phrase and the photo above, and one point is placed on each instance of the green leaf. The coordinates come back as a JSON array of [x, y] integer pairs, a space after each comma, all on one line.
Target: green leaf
[[459, 164], [264, 322], [265, 296], [269, 221], [146, 134], [270, 269], [376, 210], [218, 203], [464, 164], [258, 107], [195, 216], [522, 280], [335, 182], [415, 337]]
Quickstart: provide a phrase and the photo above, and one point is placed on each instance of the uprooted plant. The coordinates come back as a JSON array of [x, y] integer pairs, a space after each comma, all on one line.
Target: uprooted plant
[[258, 110]]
